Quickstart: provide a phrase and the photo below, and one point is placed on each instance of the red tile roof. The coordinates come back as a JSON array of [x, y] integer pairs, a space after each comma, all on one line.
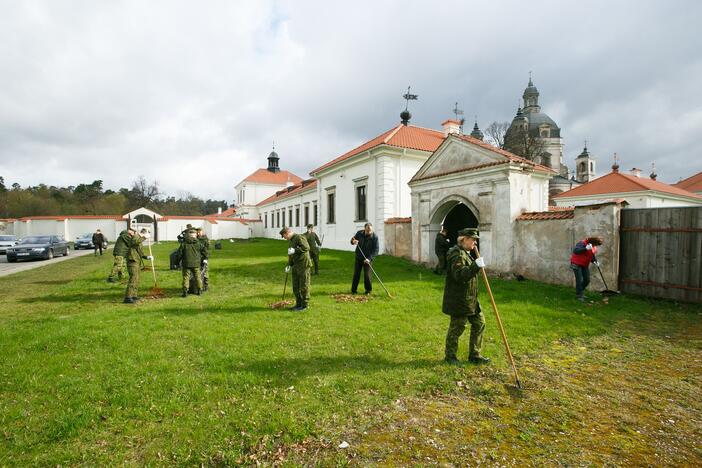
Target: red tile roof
[[228, 213], [264, 176], [64, 217], [401, 136], [691, 184], [617, 182], [297, 189], [567, 213]]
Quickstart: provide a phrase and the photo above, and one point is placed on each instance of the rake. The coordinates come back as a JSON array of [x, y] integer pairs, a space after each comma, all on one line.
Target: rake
[[499, 323], [155, 291]]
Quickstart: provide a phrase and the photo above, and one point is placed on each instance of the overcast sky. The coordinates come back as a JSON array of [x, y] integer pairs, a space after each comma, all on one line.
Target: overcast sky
[[192, 94]]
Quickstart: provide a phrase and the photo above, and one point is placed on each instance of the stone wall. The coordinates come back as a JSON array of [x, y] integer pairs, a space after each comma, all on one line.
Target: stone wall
[[543, 246], [398, 237]]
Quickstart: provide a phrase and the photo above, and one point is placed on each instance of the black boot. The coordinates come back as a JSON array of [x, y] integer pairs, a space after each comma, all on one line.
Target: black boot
[[478, 360], [128, 300], [185, 293]]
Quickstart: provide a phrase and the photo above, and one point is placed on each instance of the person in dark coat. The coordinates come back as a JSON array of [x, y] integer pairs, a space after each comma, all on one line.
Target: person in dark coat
[[98, 241], [461, 297], [204, 264], [190, 254], [442, 244], [581, 258], [366, 243]]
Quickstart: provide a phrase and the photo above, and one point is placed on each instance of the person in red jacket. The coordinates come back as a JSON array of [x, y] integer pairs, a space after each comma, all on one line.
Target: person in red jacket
[[583, 255]]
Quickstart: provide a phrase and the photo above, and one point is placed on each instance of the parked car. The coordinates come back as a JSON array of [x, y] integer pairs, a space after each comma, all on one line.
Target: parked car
[[7, 241], [84, 241], [45, 247]]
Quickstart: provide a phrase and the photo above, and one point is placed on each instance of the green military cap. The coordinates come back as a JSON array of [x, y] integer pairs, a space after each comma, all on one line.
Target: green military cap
[[469, 232], [284, 230], [310, 226]]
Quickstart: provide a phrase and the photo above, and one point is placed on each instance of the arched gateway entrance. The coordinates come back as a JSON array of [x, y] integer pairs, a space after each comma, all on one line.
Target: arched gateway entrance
[[454, 213]]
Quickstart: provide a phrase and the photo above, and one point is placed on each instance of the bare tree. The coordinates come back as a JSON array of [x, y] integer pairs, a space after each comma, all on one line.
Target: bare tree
[[520, 142], [495, 133], [143, 193]]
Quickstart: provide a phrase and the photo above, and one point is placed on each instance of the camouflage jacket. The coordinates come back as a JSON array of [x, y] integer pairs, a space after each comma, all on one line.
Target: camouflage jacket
[[461, 288], [313, 240], [204, 247], [122, 243], [135, 253], [190, 253], [301, 258]]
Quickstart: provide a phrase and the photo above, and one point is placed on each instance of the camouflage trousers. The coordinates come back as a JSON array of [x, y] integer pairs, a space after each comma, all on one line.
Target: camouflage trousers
[[133, 268], [301, 286], [314, 255], [455, 330], [118, 267], [195, 272]]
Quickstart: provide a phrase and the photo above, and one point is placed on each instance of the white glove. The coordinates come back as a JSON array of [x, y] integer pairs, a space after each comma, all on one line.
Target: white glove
[[291, 251], [287, 269], [480, 261], [588, 247], [204, 261], [596, 262], [149, 257], [366, 261], [146, 235]]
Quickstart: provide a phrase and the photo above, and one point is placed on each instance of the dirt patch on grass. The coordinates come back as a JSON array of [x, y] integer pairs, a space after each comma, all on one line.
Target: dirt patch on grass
[[346, 298], [280, 304]]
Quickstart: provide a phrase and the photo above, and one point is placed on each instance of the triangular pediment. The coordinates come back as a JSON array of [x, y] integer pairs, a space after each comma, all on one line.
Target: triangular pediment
[[457, 155]]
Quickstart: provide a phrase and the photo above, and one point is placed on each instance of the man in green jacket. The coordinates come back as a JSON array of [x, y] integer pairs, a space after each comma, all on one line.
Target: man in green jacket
[[120, 253], [190, 254], [205, 253], [315, 246], [461, 297], [299, 262], [135, 256]]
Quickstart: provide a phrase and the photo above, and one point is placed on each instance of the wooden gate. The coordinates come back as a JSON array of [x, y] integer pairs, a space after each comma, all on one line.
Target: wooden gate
[[661, 253]]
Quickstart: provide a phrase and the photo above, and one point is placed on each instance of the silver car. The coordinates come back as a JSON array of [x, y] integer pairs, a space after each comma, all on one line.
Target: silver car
[[7, 241]]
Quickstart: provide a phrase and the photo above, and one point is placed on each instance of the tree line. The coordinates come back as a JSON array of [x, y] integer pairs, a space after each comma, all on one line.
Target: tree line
[[94, 199]]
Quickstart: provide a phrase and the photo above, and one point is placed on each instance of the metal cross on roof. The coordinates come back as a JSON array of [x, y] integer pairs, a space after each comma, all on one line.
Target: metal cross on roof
[[409, 97]]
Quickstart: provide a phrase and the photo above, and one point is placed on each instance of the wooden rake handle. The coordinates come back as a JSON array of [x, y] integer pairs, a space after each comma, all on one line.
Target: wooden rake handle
[[499, 323], [153, 269]]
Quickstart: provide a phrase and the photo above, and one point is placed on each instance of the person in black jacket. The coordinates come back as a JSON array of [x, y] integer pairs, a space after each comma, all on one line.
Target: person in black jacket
[[98, 241], [366, 243], [442, 244]]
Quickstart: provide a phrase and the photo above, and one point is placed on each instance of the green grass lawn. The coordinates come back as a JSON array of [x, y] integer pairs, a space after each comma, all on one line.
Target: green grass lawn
[[223, 379]]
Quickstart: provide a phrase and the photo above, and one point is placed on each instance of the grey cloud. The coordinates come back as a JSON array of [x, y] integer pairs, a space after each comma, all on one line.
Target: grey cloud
[[193, 95]]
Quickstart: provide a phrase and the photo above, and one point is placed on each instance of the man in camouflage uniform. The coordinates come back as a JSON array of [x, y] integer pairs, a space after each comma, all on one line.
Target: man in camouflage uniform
[[190, 255], [120, 253], [461, 297], [315, 246], [299, 262], [205, 254], [442, 244], [135, 257]]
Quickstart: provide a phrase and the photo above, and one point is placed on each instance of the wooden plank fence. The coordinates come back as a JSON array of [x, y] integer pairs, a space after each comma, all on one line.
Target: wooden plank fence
[[661, 253]]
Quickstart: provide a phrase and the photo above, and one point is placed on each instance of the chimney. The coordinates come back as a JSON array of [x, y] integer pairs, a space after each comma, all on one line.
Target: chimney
[[219, 210], [451, 126], [636, 172]]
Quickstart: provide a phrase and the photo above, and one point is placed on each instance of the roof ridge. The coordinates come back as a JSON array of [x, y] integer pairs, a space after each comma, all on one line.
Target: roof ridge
[[392, 134]]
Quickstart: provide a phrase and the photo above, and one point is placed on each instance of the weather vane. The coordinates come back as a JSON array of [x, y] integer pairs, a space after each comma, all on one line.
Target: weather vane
[[457, 111], [409, 97]]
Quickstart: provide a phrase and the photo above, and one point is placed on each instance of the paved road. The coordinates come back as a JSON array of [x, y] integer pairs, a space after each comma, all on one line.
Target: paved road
[[10, 268]]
